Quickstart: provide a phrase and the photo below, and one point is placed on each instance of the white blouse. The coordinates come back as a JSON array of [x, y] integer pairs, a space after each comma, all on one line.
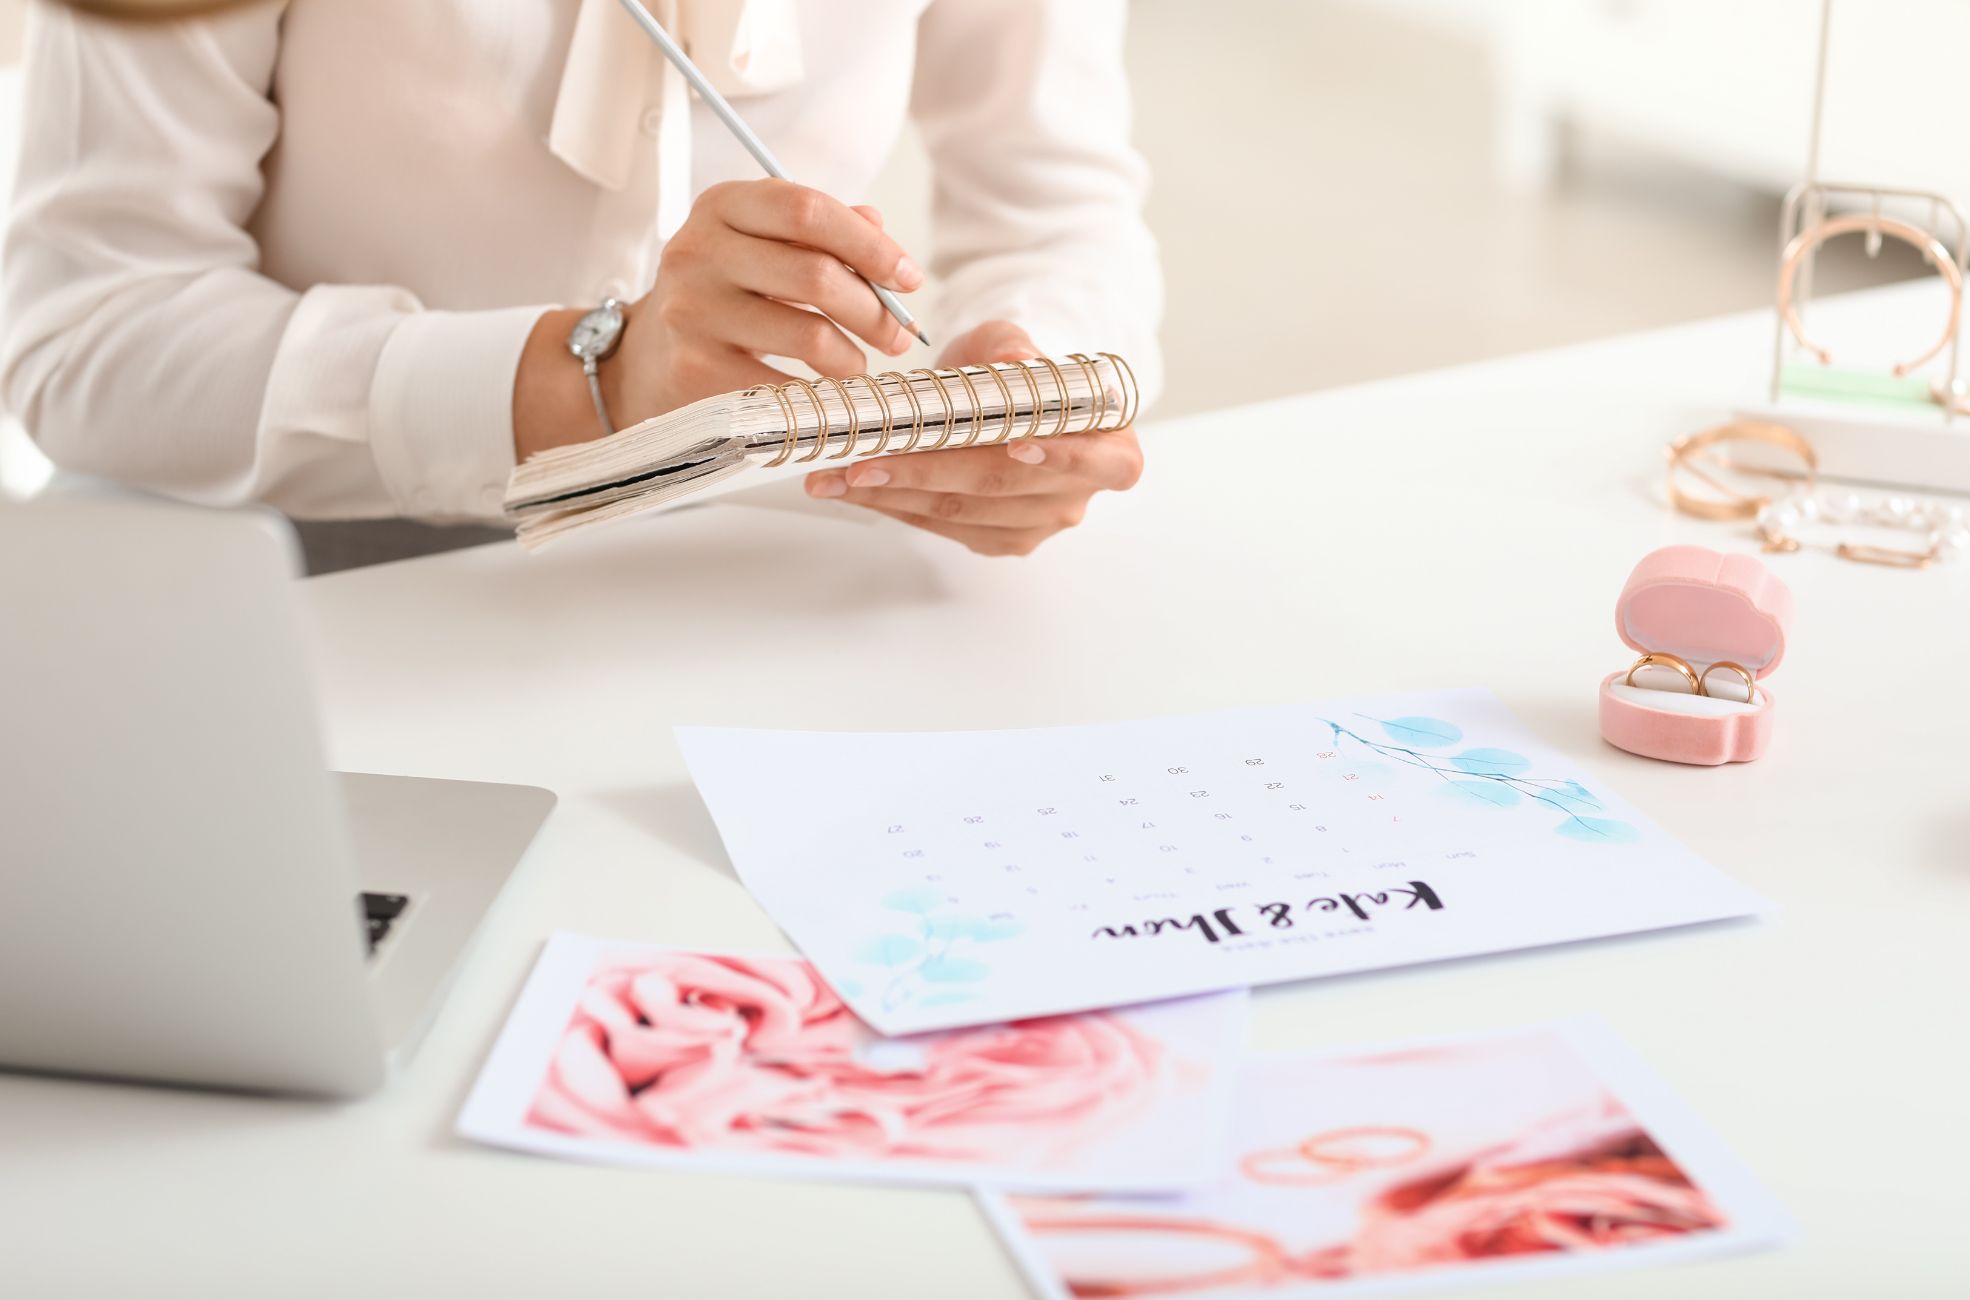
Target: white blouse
[[292, 254]]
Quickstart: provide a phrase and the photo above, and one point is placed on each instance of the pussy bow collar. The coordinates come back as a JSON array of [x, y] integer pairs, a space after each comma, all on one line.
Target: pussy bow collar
[[616, 78]]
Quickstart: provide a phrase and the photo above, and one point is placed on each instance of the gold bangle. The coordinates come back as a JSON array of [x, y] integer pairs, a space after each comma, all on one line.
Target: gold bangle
[[1656, 658], [1750, 682], [1807, 241], [1684, 458]]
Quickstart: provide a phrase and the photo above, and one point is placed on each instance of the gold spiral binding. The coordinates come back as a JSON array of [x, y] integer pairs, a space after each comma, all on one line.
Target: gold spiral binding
[[1097, 398], [1005, 396], [854, 418], [974, 422], [950, 412], [1026, 373], [882, 404], [916, 411], [1060, 387], [820, 413], [779, 392], [1129, 408], [1131, 391]]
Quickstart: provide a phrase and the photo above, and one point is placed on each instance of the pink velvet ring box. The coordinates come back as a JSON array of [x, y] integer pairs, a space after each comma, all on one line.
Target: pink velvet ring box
[[1705, 608]]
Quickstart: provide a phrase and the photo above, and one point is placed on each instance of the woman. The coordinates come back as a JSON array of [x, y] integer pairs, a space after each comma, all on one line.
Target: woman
[[329, 255]]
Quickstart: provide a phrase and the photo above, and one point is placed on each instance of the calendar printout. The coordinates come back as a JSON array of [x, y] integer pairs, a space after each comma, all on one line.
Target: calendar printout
[[941, 879]]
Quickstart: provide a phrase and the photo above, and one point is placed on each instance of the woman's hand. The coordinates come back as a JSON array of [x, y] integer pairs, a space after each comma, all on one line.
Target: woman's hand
[[732, 286], [1002, 500]]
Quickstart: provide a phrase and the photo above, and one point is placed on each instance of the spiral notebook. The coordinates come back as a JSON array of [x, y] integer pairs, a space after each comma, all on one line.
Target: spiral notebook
[[777, 430]]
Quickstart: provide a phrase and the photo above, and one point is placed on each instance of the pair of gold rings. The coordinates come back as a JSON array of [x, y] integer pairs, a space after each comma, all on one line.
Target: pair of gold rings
[[1336, 1154], [1699, 683]]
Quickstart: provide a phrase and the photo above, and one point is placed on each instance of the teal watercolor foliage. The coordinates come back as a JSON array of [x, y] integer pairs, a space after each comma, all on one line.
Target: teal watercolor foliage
[[1481, 776], [1421, 731], [927, 955]]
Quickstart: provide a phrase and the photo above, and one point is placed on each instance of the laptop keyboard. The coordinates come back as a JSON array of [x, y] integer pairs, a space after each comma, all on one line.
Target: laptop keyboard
[[380, 912]]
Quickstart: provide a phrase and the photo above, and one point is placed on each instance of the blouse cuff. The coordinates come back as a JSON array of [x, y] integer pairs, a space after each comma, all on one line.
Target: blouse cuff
[[441, 410]]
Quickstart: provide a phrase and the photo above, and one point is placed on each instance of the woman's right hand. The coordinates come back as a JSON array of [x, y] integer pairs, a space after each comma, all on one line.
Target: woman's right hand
[[733, 284]]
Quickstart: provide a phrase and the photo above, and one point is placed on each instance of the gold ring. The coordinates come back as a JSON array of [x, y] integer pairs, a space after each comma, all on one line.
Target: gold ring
[[1317, 1149], [1750, 682], [1263, 1167], [1657, 658]]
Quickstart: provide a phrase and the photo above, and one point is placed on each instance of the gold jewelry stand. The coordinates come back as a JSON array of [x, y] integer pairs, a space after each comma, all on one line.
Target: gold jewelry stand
[[1896, 425]]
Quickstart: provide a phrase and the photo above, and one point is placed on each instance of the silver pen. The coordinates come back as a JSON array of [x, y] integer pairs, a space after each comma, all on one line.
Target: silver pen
[[754, 145]]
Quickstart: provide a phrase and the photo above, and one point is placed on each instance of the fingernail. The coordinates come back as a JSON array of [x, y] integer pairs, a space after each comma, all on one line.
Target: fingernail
[[827, 485], [1032, 453], [907, 274], [868, 476]]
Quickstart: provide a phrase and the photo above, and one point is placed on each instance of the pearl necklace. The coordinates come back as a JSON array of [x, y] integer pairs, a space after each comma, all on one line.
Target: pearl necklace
[[1944, 528]]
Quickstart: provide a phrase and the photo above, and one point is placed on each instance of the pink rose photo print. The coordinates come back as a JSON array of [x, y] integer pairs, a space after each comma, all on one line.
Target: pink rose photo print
[[1542, 1150], [649, 1055]]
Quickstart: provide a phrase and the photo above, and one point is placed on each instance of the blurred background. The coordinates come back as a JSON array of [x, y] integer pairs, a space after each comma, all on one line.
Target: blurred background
[[1351, 189]]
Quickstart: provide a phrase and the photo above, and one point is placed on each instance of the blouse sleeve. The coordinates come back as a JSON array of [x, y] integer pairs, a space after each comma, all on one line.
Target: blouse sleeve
[[1024, 109], [142, 343]]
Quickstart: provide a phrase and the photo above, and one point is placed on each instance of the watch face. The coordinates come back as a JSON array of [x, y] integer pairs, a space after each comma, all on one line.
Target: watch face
[[596, 334]]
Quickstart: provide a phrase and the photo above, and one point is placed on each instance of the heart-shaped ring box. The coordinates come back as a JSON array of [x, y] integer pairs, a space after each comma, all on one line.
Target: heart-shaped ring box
[[1705, 608]]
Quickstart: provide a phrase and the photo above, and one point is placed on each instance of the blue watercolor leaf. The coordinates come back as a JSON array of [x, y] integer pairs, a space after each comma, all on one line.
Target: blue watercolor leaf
[[1573, 796], [1422, 732], [1495, 793], [1492, 762], [847, 990], [943, 929], [889, 950], [919, 900], [946, 997], [990, 930], [953, 970], [1598, 830]]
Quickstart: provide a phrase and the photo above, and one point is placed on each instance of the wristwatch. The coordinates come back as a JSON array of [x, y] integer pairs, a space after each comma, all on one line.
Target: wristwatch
[[593, 340]]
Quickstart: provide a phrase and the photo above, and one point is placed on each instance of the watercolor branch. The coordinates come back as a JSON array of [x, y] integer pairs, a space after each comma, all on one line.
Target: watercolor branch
[[929, 959], [1492, 776]]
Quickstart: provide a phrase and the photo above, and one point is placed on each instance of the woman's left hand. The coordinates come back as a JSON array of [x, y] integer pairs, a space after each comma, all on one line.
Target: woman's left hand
[[1002, 500]]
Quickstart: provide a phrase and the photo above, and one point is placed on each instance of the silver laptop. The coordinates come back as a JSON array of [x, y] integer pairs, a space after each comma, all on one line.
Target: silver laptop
[[186, 893]]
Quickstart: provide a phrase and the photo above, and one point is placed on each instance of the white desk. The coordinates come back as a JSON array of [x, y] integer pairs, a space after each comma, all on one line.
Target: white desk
[[1468, 527]]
